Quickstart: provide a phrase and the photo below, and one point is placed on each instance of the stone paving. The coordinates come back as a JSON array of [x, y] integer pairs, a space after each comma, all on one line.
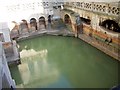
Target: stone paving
[[63, 32], [94, 43]]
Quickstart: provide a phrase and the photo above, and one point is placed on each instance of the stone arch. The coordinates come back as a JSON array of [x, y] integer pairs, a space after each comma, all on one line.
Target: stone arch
[[86, 20], [33, 23], [42, 18], [67, 14], [111, 25], [25, 22], [14, 33], [86, 17], [15, 25], [67, 19], [23, 26], [42, 22]]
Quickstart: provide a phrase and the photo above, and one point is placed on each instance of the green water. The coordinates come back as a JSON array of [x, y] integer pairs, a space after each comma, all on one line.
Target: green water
[[63, 62]]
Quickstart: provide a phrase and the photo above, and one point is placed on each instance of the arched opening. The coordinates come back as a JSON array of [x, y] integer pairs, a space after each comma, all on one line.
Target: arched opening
[[67, 21], [49, 18], [23, 26], [42, 23], [15, 26], [14, 33], [86, 21], [86, 26], [110, 25], [33, 23]]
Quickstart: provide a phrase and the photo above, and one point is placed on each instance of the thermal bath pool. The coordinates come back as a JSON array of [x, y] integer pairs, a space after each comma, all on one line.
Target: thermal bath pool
[[63, 62]]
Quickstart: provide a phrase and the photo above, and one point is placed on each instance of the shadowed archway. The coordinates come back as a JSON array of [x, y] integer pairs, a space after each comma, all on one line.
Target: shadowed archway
[[14, 33], [42, 23], [110, 25], [86, 21], [68, 21], [33, 23], [23, 26]]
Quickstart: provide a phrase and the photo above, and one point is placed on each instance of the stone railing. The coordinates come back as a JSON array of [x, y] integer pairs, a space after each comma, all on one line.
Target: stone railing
[[107, 8]]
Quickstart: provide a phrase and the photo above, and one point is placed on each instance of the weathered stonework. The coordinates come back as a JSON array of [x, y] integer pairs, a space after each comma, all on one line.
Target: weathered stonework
[[97, 13]]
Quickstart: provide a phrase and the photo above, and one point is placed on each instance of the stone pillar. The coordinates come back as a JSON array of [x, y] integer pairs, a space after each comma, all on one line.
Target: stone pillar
[[119, 13], [73, 27], [119, 36]]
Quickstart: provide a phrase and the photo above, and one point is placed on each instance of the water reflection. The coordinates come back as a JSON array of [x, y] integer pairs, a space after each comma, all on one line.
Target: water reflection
[[16, 74], [35, 68], [31, 52], [53, 61], [24, 72]]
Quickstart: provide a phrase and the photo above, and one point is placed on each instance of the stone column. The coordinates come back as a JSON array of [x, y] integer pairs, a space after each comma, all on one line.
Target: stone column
[[119, 13], [119, 36], [73, 27]]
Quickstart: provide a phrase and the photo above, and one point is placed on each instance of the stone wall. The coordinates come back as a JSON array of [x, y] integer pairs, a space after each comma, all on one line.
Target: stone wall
[[98, 12]]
